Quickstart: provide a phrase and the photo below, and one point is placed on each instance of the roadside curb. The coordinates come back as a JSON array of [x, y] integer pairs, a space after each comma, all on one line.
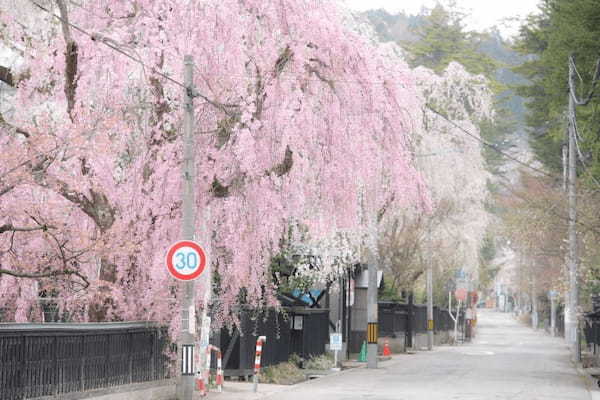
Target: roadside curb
[[592, 384], [354, 367]]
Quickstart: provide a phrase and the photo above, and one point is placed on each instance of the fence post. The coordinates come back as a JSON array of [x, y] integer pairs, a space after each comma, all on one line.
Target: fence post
[[409, 322], [56, 371], [130, 356], [23, 372], [107, 362], [152, 353], [82, 358]]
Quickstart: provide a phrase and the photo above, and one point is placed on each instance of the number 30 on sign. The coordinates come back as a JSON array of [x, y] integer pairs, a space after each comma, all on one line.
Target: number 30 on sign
[[186, 260]]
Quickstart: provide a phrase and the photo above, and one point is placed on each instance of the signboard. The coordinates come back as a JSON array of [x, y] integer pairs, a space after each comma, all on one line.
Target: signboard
[[205, 334], [362, 281], [469, 314], [186, 260], [297, 322], [461, 294], [192, 319], [335, 342]]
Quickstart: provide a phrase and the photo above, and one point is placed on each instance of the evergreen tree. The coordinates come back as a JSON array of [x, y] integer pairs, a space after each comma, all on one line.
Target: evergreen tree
[[442, 38], [561, 28]]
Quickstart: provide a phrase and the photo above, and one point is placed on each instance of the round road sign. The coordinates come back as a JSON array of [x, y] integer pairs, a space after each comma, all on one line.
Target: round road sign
[[186, 260]]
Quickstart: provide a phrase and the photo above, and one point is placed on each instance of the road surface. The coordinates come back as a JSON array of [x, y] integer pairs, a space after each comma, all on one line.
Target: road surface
[[506, 361]]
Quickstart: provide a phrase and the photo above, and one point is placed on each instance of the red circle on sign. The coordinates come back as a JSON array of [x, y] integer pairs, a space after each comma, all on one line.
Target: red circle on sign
[[173, 271]]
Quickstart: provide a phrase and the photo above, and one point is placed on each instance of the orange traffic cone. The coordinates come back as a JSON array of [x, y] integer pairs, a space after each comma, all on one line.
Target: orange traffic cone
[[200, 386], [386, 348]]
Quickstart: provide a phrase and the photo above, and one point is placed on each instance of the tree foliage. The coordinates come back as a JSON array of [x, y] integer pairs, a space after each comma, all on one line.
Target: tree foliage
[[298, 119], [442, 38], [559, 29]]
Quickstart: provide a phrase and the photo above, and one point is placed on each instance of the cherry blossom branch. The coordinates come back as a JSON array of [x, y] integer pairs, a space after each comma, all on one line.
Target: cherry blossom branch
[[6, 189], [9, 127], [64, 258], [71, 57], [110, 43], [96, 206], [11, 228], [50, 274], [6, 76]]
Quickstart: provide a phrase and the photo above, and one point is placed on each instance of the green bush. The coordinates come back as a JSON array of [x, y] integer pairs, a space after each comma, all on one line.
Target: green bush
[[322, 362], [286, 373]]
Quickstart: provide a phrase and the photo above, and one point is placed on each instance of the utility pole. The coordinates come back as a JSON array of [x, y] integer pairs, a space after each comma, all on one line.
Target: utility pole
[[534, 305], [185, 383], [552, 295], [572, 330], [571, 319], [372, 317], [429, 294], [430, 306]]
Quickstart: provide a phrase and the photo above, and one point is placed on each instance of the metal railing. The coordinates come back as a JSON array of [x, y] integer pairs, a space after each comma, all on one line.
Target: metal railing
[[393, 318], [52, 359]]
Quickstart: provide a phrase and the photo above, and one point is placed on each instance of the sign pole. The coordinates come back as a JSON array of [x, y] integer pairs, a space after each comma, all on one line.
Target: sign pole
[[185, 383], [335, 344]]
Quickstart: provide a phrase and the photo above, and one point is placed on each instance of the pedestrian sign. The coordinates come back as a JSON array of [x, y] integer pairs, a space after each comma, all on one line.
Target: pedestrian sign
[[335, 342]]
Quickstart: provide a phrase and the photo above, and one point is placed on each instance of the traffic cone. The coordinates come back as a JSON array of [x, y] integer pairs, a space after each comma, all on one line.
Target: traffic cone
[[362, 357], [200, 386], [386, 348]]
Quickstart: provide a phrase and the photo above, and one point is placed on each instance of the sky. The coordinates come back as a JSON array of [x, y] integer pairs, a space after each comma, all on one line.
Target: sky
[[483, 13]]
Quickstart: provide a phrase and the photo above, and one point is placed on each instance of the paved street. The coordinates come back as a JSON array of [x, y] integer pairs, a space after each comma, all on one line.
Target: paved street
[[507, 361]]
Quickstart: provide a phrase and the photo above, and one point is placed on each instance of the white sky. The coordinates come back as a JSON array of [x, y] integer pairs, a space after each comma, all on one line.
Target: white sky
[[483, 13]]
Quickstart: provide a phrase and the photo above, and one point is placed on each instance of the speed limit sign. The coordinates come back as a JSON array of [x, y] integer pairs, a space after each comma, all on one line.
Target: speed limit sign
[[186, 260]]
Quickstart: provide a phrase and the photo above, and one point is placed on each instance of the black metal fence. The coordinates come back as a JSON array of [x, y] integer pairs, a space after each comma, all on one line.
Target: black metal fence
[[393, 318], [304, 332], [560, 323], [52, 359]]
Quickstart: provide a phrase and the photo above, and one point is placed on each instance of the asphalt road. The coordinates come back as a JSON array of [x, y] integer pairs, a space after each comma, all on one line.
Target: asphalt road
[[506, 361]]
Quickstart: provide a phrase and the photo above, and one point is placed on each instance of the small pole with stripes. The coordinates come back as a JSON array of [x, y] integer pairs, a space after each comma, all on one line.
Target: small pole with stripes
[[219, 378], [259, 344]]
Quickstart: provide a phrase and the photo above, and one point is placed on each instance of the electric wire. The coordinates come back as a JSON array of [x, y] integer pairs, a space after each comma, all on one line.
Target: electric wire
[[572, 119], [108, 43], [490, 145]]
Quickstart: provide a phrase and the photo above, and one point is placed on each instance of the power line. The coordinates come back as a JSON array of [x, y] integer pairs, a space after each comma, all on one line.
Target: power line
[[224, 107], [488, 144], [107, 42]]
